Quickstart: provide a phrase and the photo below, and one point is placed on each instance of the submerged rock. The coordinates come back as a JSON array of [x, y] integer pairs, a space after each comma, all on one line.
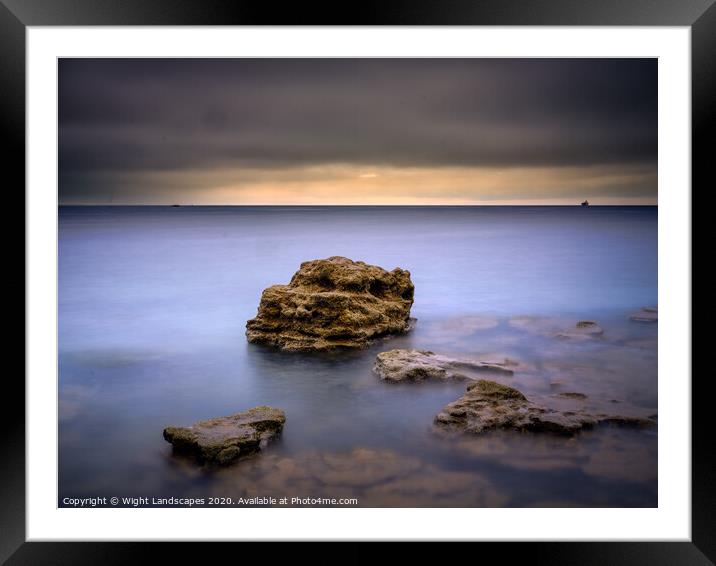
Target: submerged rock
[[420, 365], [583, 329], [572, 395], [534, 324], [647, 314], [333, 303], [559, 328], [488, 405], [467, 324], [224, 439], [376, 477]]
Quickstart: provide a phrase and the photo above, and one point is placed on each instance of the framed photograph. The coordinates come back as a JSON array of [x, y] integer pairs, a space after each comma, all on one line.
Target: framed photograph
[[420, 275]]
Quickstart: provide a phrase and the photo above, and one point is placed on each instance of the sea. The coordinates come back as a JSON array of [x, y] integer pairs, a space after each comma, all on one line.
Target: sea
[[153, 303]]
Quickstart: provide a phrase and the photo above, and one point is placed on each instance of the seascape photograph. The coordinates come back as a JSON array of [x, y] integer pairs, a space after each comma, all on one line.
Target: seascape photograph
[[370, 282]]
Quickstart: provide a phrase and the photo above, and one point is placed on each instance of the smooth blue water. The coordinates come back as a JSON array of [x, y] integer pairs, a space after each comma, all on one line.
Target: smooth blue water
[[153, 303]]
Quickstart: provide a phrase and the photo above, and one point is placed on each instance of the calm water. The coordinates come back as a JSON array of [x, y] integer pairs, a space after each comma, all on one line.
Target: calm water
[[153, 303]]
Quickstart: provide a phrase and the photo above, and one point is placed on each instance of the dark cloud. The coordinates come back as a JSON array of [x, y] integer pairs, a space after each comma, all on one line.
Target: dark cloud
[[151, 115]]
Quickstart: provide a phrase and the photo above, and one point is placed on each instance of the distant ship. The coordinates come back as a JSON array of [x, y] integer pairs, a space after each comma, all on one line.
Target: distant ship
[[585, 203], [180, 205]]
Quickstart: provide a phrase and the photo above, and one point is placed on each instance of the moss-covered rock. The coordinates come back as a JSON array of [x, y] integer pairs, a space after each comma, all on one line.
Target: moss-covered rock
[[488, 405], [222, 440]]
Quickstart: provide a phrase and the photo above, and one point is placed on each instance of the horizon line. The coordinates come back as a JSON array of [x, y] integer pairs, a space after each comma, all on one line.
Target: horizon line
[[179, 205]]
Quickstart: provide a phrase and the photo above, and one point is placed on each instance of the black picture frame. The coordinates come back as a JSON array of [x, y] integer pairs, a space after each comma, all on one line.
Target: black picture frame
[[16, 15]]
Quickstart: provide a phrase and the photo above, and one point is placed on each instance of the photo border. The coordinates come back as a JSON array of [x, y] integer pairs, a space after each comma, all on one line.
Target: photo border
[[700, 15]]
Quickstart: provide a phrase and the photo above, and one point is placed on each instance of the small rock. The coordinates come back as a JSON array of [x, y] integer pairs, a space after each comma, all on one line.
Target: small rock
[[331, 304], [647, 314], [420, 365], [222, 440], [488, 405], [582, 330]]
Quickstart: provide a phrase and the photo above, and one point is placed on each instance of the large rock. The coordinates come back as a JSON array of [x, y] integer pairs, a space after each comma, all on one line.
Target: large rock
[[420, 365], [333, 303], [224, 439], [488, 405]]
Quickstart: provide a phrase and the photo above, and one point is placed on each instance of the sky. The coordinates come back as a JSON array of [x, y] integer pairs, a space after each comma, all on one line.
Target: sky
[[357, 131]]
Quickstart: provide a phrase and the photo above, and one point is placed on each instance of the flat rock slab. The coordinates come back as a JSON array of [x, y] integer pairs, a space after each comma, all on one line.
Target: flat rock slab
[[421, 365], [332, 304], [222, 440], [488, 405], [647, 314]]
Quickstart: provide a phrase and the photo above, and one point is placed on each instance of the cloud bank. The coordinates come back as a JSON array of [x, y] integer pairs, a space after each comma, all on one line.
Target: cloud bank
[[340, 131]]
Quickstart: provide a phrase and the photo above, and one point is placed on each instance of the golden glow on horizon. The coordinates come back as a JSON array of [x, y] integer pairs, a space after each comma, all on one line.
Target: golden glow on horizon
[[341, 184]]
